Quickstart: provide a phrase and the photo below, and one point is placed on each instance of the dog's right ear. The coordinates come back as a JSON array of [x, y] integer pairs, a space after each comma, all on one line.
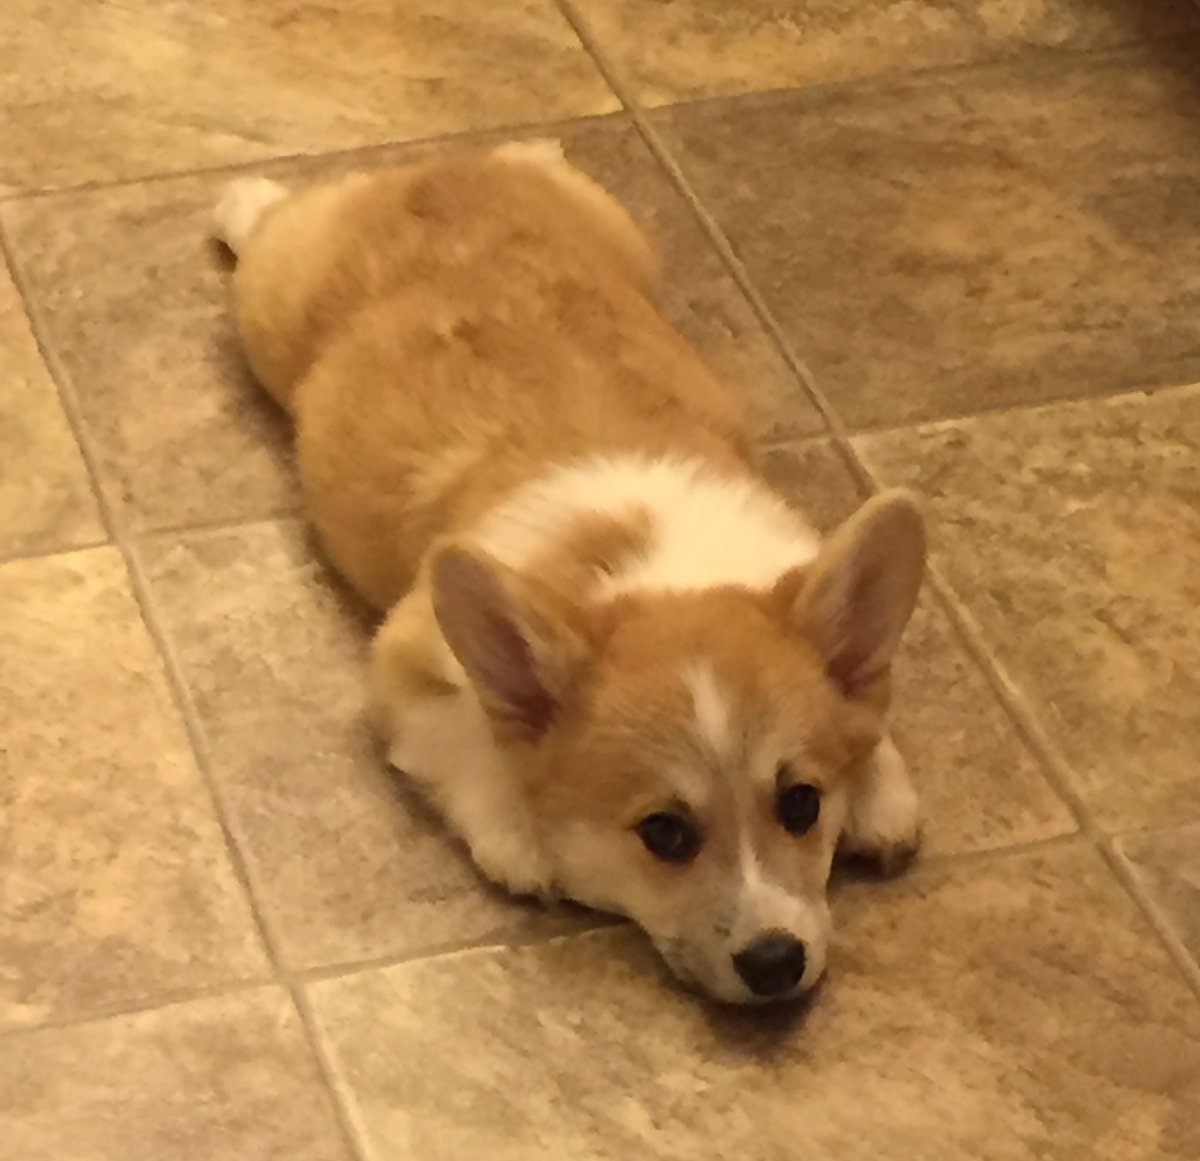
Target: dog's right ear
[[513, 638], [854, 601]]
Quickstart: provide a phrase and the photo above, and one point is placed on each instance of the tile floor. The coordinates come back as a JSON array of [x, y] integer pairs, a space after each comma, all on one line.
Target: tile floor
[[949, 244]]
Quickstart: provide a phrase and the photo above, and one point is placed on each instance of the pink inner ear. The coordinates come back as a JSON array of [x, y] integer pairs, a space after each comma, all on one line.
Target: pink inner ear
[[859, 635], [846, 671], [510, 637], [847, 616], [510, 672]]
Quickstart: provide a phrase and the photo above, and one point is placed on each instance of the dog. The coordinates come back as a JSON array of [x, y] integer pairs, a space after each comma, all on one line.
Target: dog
[[622, 669]]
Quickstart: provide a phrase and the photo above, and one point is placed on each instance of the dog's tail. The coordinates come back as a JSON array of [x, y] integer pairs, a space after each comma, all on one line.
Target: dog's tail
[[241, 207]]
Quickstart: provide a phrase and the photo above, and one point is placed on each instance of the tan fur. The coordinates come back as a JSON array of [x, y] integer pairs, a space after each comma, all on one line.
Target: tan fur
[[467, 346], [348, 293]]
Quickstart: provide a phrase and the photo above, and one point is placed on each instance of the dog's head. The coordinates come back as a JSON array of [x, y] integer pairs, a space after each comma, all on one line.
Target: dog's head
[[686, 754]]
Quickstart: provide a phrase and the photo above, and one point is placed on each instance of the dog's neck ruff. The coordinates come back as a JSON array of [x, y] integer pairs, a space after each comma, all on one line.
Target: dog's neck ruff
[[705, 527]]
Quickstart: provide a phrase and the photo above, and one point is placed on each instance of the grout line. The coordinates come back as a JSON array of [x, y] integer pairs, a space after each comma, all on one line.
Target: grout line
[[216, 526], [285, 160], [66, 397], [299, 980], [447, 953], [1150, 908], [1060, 775], [591, 46], [58, 550], [341, 1096], [765, 447], [952, 860], [1116, 395], [167, 999], [1046, 57], [197, 737], [1144, 829], [333, 971]]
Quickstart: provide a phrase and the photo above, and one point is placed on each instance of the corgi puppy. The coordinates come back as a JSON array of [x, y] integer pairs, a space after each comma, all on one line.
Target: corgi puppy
[[621, 668]]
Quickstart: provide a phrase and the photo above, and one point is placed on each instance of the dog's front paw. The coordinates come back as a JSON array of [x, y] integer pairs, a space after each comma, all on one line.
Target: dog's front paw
[[883, 825], [511, 861]]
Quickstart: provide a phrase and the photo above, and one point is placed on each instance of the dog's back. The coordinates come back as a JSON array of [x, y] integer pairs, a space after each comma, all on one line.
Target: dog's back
[[444, 332]]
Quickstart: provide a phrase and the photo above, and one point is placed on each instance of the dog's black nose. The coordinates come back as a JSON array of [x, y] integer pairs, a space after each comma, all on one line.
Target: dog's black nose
[[772, 964]]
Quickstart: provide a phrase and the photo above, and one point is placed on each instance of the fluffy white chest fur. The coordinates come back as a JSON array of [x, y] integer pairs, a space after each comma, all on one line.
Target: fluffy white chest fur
[[703, 529]]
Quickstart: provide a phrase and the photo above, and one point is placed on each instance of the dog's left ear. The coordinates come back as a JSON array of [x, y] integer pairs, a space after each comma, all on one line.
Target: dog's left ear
[[854, 601], [513, 638]]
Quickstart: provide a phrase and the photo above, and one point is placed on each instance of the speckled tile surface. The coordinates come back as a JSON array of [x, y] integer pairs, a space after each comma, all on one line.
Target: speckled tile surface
[[981, 788], [157, 88], [984, 1018], [685, 49], [1073, 534], [46, 500], [131, 295], [959, 242], [228, 930], [116, 887], [223, 1077], [1168, 861]]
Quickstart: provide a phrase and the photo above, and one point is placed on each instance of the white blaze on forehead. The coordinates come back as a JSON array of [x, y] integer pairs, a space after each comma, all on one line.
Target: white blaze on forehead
[[764, 903], [711, 708]]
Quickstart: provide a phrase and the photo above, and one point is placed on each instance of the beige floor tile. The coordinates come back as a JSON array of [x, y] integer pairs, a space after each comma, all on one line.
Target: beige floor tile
[[970, 1015], [141, 87], [132, 298], [45, 497], [1072, 533], [1169, 861], [704, 48], [980, 786], [222, 1078], [698, 295], [947, 244], [115, 886], [346, 863], [181, 432]]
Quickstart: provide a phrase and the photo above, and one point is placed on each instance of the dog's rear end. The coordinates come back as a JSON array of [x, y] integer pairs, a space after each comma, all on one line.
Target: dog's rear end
[[309, 260], [470, 270]]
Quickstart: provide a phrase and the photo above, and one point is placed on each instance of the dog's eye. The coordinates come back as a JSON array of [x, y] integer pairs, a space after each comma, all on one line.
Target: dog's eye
[[669, 837], [798, 808]]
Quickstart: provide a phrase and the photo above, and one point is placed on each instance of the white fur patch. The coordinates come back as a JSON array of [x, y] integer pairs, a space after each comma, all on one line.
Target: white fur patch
[[706, 529], [445, 744], [713, 713]]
